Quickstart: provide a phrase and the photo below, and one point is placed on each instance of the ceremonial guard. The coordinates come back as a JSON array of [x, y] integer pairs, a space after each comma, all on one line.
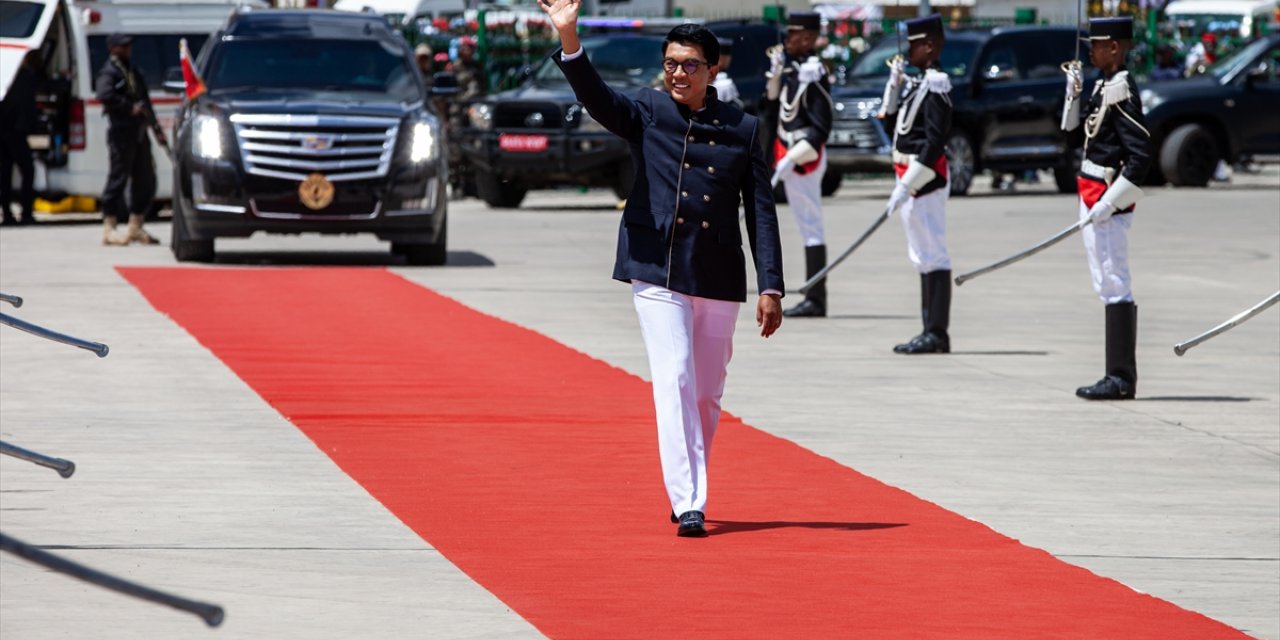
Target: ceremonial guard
[[680, 241], [1117, 155], [726, 88], [922, 106], [797, 81]]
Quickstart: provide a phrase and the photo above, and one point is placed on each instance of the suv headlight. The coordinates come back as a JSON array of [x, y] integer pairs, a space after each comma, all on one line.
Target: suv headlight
[[206, 138], [423, 146], [481, 115], [1150, 100]]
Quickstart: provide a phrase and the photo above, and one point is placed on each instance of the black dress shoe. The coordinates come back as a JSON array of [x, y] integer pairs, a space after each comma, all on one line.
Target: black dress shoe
[[806, 309], [925, 343], [691, 525], [1108, 388], [674, 519]]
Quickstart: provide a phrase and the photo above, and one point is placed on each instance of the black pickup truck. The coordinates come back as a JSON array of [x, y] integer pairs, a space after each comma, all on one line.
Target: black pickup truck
[[1007, 92], [538, 136], [1230, 112], [313, 122]]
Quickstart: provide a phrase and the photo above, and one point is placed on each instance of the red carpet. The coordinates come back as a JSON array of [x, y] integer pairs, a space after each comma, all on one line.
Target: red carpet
[[534, 468]]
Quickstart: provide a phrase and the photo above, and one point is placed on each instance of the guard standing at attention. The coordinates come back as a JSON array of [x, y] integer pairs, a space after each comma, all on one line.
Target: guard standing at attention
[[920, 133], [1117, 155], [797, 81], [127, 102]]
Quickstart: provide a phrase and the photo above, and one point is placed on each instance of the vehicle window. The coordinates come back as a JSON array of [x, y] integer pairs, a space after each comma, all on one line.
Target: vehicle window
[[153, 54], [18, 19], [957, 59], [1233, 64], [1000, 63], [1041, 54], [338, 65], [636, 61]]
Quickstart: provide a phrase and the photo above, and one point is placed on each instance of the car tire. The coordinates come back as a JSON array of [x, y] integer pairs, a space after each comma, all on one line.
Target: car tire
[[831, 183], [499, 193], [426, 254], [184, 248], [961, 163], [1189, 156], [1064, 175]]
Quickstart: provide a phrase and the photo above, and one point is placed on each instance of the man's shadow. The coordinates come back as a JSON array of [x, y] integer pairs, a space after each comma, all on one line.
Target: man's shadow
[[724, 527]]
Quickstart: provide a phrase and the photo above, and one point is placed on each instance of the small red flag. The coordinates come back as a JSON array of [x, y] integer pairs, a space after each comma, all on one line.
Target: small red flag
[[195, 84]]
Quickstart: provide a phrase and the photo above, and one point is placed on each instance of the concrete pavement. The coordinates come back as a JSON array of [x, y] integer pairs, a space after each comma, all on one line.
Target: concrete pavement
[[189, 482]]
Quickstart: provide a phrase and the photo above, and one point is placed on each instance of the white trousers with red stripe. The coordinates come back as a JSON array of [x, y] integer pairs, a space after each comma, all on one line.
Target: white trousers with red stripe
[[924, 219], [689, 341], [804, 194], [1106, 244]]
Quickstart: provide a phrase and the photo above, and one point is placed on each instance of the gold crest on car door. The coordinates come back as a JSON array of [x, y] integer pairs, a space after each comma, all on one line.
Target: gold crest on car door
[[316, 192]]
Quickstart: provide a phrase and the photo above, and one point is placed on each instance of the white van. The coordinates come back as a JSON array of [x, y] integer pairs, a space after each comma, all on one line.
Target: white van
[[1243, 16], [71, 160]]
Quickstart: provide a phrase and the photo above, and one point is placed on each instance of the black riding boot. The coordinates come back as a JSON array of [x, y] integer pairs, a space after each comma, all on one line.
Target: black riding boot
[[1121, 381], [935, 290], [814, 304]]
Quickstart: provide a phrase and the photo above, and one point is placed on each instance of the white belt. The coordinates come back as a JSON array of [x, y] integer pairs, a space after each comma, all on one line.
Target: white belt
[[1097, 171], [903, 158]]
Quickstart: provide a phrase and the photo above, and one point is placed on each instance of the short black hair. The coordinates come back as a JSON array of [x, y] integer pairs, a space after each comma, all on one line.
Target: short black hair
[[695, 35]]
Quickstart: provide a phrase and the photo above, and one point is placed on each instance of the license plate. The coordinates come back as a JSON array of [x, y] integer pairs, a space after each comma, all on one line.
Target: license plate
[[842, 137], [522, 143]]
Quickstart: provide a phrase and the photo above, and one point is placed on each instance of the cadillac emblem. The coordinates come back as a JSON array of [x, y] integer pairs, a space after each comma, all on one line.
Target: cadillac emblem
[[316, 192]]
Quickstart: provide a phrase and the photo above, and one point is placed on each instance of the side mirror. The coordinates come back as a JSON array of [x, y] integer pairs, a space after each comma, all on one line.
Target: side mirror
[[526, 72], [444, 84], [174, 82], [1259, 73]]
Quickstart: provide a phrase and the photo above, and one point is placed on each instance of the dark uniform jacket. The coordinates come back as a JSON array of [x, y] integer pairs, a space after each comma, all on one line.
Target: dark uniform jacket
[[680, 227], [18, 111], [1121, 140], [812, 121], [927, 137], [119, 86]]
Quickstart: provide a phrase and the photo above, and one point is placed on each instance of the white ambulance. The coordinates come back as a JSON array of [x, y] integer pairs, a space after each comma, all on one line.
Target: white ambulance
[[71, 150]]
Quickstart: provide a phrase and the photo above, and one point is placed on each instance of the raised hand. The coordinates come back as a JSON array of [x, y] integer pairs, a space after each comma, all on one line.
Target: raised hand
[[563, 13]]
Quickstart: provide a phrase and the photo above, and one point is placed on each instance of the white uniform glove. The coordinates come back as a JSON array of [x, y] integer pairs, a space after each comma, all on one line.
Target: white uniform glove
[[773, 85], [1071, 107], [901, 193], [1101, 210], [812, 70], [1075, 80], [893, 86], [799, 153]]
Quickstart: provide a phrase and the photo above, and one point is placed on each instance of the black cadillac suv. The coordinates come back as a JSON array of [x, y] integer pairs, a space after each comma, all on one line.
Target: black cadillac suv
[[312, 122]]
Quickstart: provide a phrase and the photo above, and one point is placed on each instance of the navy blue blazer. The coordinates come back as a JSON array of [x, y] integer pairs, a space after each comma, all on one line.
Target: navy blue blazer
[[680, 227]]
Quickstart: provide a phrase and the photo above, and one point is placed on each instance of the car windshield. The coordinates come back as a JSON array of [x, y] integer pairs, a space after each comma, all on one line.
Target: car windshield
[[19, 19], [336, 65], [634, 61], [1230, 66], [957, 57]]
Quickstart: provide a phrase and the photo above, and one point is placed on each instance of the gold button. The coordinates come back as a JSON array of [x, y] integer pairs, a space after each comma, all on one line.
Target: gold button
[[690, 138], [712, 143], [684, 194], [706, 198], [711, 169], [706, 225], [686, 165], [715, 122], [679, 220]]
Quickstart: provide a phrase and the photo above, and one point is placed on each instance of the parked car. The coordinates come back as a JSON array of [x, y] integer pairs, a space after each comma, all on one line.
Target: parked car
[[313, 121], [1007, 95], [1229, 112], [538, 136]]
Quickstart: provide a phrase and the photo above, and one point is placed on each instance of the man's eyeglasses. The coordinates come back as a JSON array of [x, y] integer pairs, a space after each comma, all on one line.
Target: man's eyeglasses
[[690, 66]]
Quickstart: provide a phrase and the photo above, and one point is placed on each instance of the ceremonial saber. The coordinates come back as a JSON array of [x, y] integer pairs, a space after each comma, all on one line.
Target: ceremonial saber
[[212, 614], [1062, 235], [1239, 318], [818, 277], [11, 299], [64, 467], [88, 345]]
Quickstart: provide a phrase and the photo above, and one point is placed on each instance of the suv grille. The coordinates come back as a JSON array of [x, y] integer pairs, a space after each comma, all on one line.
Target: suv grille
[[856, 125], [338, 147], [528, 115]]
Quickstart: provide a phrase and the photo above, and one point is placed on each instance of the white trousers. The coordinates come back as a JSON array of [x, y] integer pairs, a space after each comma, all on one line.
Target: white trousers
[[804, 194], [1106, 244], [925, 221], [689, 341]]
